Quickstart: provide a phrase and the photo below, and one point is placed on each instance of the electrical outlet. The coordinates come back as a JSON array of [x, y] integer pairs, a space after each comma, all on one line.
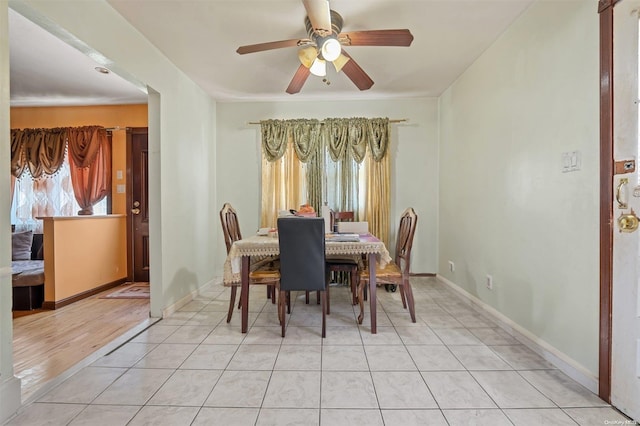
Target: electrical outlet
[[489, 282], [452, 266]]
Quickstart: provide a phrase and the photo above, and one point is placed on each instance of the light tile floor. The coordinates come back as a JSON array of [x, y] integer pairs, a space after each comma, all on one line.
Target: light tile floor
[[453, 367]]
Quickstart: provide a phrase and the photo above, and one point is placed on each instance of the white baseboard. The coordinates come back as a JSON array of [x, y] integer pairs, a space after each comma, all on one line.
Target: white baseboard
[[9, 398], [560, 360], [185, 300]]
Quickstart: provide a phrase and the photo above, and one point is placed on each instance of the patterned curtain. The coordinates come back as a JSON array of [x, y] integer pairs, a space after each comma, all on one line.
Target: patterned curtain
[[90, 162], [283, 186], [345, 140], [41, 151], [41, 175], [305, 138]]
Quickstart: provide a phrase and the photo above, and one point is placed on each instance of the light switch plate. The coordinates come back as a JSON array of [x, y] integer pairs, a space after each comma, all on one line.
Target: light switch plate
[[121, 189]]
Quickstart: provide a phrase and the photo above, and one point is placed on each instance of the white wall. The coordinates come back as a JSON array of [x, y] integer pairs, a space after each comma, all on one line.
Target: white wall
[[181, 149], [9, 385], [506, 209], [414, 160]]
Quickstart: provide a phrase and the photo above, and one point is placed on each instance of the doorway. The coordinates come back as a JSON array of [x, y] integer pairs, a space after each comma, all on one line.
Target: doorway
[[138, 204]]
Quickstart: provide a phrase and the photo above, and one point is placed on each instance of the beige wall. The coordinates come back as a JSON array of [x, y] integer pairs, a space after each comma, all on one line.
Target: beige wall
[[506, 208], [117, 117], [83, 253], [414, 161]]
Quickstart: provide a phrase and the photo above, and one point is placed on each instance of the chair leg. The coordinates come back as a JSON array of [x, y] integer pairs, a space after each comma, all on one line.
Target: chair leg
[[403, 296], [240, 300], [362, 284], [410, 301], [306, 297], [317, 297], [273, 294], [288, 302], [232, 303], [282, 299], [328, 303], [324, 314], [353, 281]]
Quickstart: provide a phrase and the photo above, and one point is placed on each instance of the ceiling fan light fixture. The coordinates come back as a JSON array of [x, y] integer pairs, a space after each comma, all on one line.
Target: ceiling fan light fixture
[[331, 49], [318, 67], [307, 55], [340, 62]]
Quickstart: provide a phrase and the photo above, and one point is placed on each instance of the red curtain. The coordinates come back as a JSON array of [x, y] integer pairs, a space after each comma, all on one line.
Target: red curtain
[[13, 187], [90, 164]]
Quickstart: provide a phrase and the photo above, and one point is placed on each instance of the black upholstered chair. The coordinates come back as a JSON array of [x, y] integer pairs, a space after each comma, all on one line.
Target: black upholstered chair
[[302, 262]]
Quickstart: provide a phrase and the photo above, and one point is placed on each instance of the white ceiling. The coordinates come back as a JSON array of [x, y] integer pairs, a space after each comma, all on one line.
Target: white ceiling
[[201, 37]]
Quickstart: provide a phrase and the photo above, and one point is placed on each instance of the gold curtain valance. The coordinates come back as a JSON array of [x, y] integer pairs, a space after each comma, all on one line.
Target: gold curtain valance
[[42, 151], [343, 137]]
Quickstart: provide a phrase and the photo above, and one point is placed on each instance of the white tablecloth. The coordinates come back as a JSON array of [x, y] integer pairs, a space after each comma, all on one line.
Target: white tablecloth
[[261, 247]]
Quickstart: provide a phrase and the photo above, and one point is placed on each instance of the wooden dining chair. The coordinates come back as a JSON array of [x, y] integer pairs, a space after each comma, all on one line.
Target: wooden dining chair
[[343, 267], [397, 271], [262, 271], [302, 262]]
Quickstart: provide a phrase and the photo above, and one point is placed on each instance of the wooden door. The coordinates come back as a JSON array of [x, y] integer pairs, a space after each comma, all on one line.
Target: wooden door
[[137, 203]]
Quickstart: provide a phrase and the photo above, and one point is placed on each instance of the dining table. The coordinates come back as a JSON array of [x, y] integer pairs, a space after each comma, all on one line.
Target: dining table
[[255, 247]]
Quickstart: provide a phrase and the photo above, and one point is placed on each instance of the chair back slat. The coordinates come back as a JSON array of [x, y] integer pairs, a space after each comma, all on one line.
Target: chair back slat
[[404, 240], [340, 217], [302, 254], [230, 225]]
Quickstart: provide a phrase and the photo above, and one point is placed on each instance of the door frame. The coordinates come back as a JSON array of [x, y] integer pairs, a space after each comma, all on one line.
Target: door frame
[[605, 10]]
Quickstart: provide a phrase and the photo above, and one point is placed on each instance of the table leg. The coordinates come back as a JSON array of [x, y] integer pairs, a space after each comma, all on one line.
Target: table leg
[[372, 292], [244, 295]]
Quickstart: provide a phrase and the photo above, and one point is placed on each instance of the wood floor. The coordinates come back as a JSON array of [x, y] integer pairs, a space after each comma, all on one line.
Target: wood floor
[[48, 343]]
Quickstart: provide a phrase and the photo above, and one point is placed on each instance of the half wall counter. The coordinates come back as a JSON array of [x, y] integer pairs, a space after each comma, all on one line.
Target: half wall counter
[[84, 255]]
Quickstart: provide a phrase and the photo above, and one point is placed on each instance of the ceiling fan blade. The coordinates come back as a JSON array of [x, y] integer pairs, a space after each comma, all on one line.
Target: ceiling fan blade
[[377, 38], [252, 48], [319, 15], [356, 74], [298, 80]]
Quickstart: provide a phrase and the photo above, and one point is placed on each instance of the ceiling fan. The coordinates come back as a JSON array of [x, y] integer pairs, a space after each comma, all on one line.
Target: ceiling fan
[[325, 44]]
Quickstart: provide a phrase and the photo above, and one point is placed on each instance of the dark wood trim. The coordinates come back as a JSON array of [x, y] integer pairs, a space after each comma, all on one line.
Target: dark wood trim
[[64, 302], [110, 191], [129, 202], [422, 274], [130, 251], [605, 9]]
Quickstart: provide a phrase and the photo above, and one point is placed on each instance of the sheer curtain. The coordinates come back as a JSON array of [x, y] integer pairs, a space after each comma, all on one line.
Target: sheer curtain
[[284, 185], [45, 196], [41, 175], [347, 166]]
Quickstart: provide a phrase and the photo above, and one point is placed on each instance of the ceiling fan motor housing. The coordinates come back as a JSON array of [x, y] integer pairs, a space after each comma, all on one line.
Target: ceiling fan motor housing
[[336, 26], [328, 51]]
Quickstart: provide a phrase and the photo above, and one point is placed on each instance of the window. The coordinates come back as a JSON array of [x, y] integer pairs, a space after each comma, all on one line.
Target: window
[[46, 196]]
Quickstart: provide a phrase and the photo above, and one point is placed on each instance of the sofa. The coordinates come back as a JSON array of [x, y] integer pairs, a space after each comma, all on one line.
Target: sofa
[[27, 267]]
